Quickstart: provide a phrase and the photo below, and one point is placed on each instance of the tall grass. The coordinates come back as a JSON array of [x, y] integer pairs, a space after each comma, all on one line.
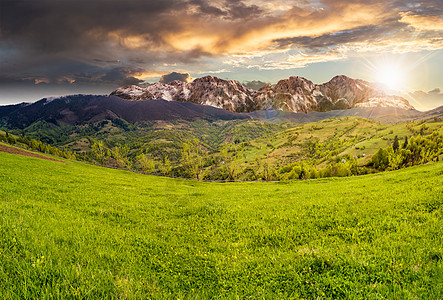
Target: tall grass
[[71, 230]]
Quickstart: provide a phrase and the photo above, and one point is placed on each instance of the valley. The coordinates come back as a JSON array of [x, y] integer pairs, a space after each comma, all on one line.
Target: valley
[[215, 129], [244, 150]]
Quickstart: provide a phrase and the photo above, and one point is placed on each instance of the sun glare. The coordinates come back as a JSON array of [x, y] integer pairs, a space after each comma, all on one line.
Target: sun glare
[[392, 76]]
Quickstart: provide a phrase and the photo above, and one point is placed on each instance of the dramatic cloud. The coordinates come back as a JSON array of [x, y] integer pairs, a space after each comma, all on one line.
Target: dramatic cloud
[[114, 42], [185, 77], [434, 23]]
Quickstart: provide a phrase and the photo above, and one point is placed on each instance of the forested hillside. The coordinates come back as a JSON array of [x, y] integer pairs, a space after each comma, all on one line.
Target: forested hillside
[[245, 150]]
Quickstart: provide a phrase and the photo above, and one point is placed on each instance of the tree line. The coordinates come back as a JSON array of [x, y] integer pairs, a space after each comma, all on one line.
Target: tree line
[[37, 145], [417, 150]]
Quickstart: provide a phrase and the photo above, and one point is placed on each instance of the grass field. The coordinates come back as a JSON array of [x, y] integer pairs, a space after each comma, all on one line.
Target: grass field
[[72, 230]]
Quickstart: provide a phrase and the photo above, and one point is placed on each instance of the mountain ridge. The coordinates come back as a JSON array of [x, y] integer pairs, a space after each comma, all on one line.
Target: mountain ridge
[[76, 109], [294, 94]]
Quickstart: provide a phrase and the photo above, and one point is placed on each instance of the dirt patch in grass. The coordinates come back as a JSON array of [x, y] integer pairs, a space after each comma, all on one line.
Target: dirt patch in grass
[[13, 150]]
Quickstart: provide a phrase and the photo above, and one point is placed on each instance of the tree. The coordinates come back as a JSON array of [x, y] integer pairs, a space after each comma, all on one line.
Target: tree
[[405, 144], [10, 138], [231, 162], [395, 158], [99, 151], [120, 154], [147, 165], [423, 129], [313, 173], [166, 167], [395, 144], [267, 171], [296, 172], [380, 159], [192, 158]]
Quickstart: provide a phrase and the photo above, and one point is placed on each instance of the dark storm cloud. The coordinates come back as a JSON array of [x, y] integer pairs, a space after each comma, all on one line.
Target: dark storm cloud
[[73, 39], [80, 25], [56, 25], [119, 76], [185, 77], [115, 77], [207, 9], [107, 61], [6, 80], [364, 33], [231, 9], [118, 42], [239, 10], [54, 39]]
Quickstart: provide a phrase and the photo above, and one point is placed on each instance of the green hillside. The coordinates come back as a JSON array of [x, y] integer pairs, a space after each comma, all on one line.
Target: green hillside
[[73, 230], [244, 150]]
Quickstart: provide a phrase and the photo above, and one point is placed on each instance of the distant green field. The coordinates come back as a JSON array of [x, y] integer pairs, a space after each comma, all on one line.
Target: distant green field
[[72, 230]]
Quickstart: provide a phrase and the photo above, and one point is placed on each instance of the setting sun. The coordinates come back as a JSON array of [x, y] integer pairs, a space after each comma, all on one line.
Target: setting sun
[[392, 76]]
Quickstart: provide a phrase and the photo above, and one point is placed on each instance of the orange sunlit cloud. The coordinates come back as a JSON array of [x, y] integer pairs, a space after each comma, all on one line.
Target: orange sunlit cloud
[[434, 23], [148, 75], [222, 36], [128, 42]]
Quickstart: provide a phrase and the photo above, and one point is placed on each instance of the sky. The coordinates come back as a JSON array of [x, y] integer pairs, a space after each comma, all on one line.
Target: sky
[[53, 48]]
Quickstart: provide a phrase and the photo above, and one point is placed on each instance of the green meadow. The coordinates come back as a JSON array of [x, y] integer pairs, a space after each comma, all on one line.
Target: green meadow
[[74, 230]]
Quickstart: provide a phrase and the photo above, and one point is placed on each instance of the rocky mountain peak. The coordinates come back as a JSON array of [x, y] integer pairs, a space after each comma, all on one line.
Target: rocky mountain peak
[[294, 94], [294, 84], [341, 78]]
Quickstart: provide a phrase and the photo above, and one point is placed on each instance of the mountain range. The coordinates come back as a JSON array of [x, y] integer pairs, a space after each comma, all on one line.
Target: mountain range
[[77, 109], [210, 98], [294, 94]]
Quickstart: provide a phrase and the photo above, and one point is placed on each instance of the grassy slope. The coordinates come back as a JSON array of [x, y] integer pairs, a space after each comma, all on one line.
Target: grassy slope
[[85, 231], [358, 136]]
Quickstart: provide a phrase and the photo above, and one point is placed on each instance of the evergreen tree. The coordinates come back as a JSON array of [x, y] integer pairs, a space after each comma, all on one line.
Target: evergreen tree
[[405, 144], [395, 144]]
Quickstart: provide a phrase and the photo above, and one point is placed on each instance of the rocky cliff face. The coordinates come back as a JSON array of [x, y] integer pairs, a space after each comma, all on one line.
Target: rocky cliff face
[[227, 94], [343, 92], [295, 94]]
